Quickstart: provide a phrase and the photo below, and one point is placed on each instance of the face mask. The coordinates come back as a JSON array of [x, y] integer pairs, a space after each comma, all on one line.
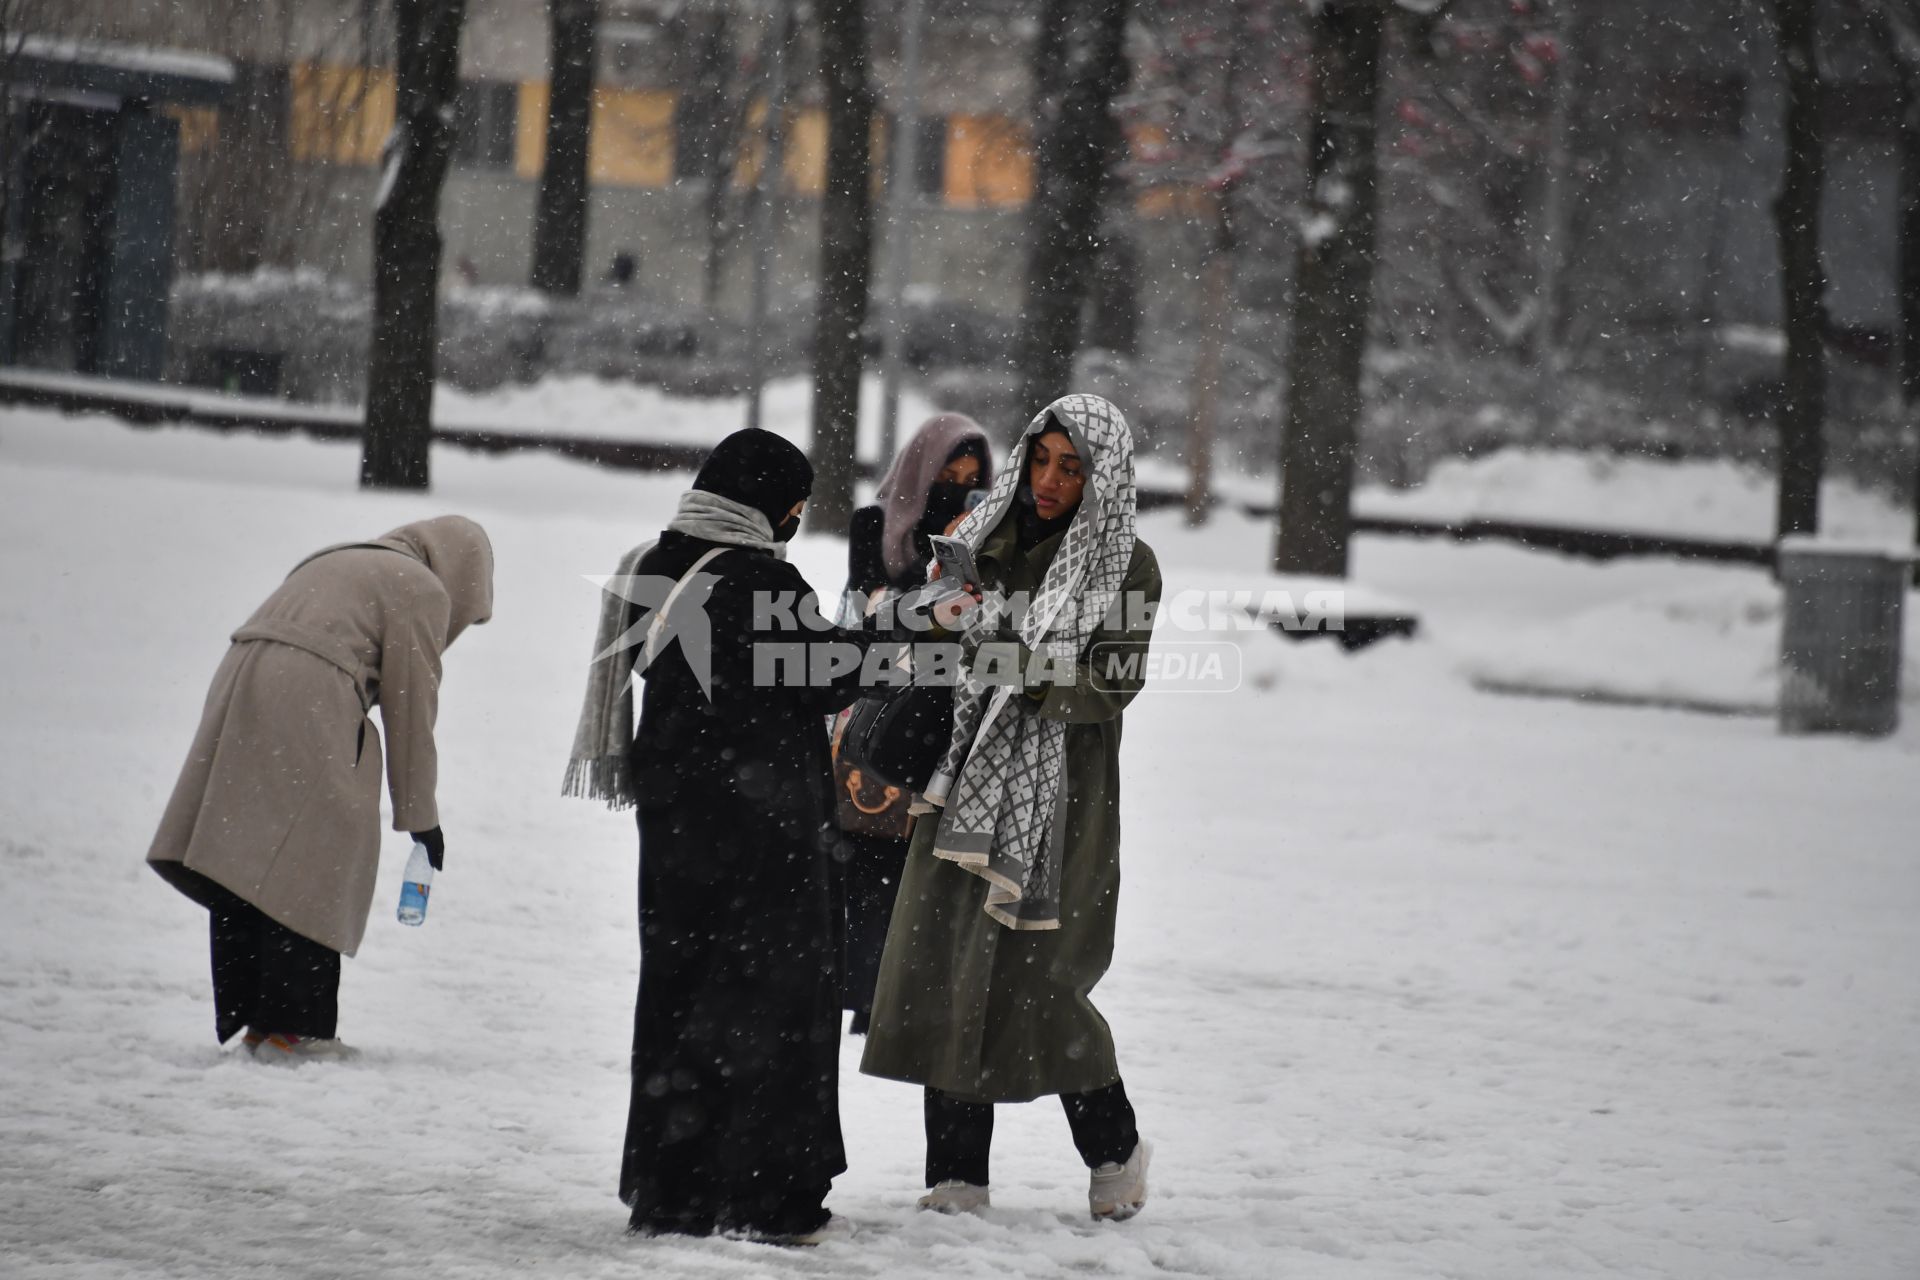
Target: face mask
[[787, 529], [945, 500]]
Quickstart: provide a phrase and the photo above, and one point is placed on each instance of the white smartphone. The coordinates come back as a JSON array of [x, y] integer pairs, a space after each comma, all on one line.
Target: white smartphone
[[956, 561]]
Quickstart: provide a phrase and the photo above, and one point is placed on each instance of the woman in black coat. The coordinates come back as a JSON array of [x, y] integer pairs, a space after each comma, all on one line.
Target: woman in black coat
[[734, 1120], [923, 493]]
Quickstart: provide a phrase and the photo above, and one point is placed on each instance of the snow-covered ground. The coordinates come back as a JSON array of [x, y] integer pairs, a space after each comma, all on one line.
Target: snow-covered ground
[[609, 409], [1706, 498], [1412, 980]]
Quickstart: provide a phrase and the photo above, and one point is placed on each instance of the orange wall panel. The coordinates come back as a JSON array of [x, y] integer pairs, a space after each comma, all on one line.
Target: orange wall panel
[[632, 141], [989, 163], [341, 113], [199, 126], [806, 159], [805, 165], [530, 130], [631, 144]]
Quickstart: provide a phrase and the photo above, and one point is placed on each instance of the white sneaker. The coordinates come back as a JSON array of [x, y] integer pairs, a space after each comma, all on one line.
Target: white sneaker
[[290, 1050], [954, 1196], [1118, 1191]]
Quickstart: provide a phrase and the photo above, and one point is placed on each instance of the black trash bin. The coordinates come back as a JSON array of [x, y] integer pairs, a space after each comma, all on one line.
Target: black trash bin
[[1840, 642]]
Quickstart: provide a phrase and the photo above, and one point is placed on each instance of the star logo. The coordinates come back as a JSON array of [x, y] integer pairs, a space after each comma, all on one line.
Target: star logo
[[666, 614]]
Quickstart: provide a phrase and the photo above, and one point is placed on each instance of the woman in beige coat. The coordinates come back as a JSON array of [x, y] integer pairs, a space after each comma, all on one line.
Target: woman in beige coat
[[274, 825]]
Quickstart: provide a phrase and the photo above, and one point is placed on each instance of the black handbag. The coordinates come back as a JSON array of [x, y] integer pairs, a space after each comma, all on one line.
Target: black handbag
[[897, 735], [863, 805]]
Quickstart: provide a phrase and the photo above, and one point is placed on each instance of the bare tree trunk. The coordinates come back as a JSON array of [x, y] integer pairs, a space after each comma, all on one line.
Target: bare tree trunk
[[768, 208], [1079, 67], [311, 190], [1896, 25], [19, 19], [258, 173], [713, 210], [1333, 292], [236, 191], [703, 126], [903, 211], [1909, 272], [846, 260], [406, 246], [1216, 317], [560, 218], [1555, 230], [1909, 252], [1113, 322], [13, 33], [1802, 278]]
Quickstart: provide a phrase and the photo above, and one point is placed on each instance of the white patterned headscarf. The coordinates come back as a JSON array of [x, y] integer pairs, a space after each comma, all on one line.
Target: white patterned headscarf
[[1002, 785]]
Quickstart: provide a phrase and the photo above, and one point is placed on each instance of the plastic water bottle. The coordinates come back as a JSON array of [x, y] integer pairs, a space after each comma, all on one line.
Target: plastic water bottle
[[416, 887]]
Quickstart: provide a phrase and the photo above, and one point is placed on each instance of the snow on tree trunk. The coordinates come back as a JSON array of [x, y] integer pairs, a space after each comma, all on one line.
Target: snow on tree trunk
[[406, 246], [846, 260], [1079, 67], [1332, 294], [1802, 278], [560, 217]]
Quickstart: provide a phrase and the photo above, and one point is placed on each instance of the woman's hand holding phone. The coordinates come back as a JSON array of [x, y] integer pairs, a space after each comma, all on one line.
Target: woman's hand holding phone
[[955, 606]]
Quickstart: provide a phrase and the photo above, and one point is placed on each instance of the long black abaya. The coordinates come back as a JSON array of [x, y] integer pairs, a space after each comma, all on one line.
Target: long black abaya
[[734, 1119]]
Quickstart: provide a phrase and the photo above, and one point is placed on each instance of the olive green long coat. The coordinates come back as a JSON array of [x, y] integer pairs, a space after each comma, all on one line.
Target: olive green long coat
[[993, 1014]]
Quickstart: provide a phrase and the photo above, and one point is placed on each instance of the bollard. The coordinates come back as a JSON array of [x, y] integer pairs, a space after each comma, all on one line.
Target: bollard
[[1840, 639]]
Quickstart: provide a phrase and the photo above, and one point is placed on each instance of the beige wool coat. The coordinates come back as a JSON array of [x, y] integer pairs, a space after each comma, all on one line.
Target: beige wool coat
[[279, 800]]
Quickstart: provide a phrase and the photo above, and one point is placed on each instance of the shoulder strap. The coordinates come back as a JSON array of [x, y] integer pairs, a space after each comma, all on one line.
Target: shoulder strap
[[658, 624]]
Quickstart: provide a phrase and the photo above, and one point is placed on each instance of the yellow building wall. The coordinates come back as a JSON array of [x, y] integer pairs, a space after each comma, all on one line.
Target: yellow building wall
[[344, 114], [199, 127], [804, 167], [530, 130], [806, 159], [631, 144], [340, 113], [989, 163]]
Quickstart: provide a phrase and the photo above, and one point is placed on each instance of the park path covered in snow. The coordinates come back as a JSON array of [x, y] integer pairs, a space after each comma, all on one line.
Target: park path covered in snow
[[1412, 980]]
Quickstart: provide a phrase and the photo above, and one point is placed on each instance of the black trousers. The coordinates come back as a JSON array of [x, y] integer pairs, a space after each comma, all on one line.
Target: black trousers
[[960, 1133], [267, 977], [874, 865]]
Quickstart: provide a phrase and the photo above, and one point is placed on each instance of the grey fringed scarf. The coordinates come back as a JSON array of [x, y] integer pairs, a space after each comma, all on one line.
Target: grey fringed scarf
[[1002, 785], [598, 768]]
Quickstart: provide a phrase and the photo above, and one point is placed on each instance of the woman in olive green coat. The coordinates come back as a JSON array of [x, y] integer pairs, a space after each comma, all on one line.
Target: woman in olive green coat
[[1005, 917]]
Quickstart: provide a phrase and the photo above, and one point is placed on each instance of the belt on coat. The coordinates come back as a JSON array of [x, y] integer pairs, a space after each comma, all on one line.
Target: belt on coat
[[325, 646]]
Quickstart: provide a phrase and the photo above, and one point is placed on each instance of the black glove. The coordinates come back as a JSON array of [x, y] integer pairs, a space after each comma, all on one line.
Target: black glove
[[436, 845]]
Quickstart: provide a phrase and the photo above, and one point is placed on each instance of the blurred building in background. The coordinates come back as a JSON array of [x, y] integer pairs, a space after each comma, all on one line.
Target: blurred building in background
[[1678, 128]]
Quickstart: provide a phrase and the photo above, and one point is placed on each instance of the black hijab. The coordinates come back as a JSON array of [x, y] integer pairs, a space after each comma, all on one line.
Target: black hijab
[[761, 470]]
